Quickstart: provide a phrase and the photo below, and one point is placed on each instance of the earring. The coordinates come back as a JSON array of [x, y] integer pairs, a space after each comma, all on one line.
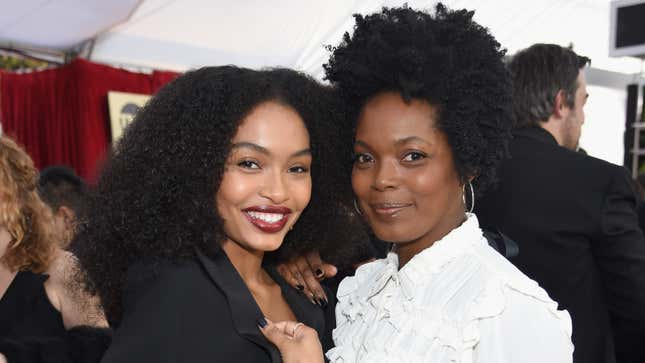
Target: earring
[[472, 196], [358, 210]]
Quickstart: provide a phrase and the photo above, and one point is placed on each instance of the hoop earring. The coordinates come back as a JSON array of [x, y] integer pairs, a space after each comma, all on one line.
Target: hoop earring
[[358, 210], [472, 197]]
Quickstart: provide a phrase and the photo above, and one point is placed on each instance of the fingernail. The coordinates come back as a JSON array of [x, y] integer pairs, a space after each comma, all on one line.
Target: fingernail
[[300, 287], [322, 302], [262, 322], [319, 272], [325, 302]]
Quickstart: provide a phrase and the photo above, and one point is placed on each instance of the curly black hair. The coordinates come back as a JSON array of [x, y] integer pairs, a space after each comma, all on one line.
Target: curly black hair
[[155, 198], [446, 59]]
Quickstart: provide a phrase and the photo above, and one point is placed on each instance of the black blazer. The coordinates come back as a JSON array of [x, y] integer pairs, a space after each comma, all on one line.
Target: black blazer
[[574, 219], [200, 311]]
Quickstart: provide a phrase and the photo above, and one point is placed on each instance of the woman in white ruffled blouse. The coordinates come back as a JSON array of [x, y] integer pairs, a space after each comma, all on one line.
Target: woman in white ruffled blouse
[[433, 123]]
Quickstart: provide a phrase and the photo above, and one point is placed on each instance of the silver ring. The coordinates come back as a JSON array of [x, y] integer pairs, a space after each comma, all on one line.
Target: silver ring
[[295, 329]]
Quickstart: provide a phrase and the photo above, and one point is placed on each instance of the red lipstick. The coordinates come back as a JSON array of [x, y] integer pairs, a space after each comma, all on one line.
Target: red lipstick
[[267, 218]]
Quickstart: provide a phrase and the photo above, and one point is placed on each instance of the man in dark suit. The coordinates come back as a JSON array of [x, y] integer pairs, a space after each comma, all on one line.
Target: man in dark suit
[[573, 216]]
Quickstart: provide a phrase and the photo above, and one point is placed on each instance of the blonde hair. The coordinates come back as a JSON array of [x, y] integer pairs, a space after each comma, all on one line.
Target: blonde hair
[[22, 213]]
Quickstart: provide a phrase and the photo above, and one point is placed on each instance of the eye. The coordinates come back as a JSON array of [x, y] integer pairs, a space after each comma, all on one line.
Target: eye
[[414, 156], [298, 169], [361, 158], [248, 164]]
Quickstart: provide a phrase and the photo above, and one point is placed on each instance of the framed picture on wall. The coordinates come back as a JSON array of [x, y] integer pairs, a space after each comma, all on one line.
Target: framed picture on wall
[[123, 106]]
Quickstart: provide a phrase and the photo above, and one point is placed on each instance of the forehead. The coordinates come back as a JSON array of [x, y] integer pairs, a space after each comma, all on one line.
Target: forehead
[[270, 123], [387, 117]]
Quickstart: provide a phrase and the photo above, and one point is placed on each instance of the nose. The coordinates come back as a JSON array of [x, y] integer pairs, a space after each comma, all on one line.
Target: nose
[[387, 176], [275, 188]]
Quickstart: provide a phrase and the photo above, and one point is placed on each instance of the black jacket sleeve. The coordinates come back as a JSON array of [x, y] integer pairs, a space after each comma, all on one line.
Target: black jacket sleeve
[[620, 255], [79, 345]]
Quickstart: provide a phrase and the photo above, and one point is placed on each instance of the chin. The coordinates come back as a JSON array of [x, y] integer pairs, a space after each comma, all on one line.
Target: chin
[[268, 244], [391, 235]]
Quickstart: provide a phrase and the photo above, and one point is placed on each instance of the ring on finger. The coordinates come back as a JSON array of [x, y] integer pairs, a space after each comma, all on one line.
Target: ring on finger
[[294, 331]]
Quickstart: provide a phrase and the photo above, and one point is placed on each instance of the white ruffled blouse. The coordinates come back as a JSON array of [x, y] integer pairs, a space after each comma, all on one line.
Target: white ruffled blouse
[[457, 301]]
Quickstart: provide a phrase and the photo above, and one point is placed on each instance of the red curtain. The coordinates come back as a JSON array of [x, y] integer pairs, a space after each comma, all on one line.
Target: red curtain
[[61, 115]]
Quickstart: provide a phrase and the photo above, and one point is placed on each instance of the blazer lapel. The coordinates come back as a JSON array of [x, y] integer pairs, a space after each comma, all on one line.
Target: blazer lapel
[[245, 312]]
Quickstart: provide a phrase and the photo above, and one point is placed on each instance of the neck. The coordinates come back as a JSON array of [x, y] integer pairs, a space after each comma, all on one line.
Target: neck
[[6, 277], [407, 250], [5, 270], [5, 240], [247, 263]]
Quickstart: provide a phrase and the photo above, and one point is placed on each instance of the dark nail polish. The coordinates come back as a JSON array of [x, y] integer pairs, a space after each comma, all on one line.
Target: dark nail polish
[[300, 287], [262, 322], [323, 302], [319, 273]]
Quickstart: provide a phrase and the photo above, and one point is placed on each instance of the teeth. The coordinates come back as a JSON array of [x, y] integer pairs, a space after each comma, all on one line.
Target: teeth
[[267, 217]]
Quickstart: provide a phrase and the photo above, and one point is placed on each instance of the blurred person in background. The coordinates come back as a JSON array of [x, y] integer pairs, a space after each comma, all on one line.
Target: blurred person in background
[[573, 216], [44, 314], [64, 192]]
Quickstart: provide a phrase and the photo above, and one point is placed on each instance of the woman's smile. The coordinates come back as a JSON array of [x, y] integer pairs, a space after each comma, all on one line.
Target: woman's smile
[[268, 218]]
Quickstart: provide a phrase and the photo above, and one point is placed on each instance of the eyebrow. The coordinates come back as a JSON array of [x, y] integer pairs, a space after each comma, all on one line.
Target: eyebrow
[[265, 151], [405, 140], [397, 142], [361, 143]]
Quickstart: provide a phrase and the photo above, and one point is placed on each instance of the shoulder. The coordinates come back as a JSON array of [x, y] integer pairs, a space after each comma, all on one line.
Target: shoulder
[[161, 271], [525, 147], [590, 170], [510, 314], [67, 294], [61, 277], [498, 304], [508, 291], [155, 278], [498, 276]]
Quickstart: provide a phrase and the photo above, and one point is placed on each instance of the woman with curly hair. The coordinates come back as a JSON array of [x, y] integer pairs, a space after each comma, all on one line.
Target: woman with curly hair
[[40, 303], [198, 199], [431, 109]]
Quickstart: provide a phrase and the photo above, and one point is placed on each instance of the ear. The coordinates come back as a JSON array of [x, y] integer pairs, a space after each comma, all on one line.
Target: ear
[[560, 108], [470, 178], [68, 215]]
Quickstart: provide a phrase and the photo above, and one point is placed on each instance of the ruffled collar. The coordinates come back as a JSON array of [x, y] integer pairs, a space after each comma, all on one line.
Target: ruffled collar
[[428, 261]]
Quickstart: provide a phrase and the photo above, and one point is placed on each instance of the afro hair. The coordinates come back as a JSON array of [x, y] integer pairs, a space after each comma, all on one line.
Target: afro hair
[[446, 59]]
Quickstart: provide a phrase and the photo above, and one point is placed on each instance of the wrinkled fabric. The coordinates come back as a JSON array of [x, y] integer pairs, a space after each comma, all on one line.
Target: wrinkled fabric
[[456, 301]]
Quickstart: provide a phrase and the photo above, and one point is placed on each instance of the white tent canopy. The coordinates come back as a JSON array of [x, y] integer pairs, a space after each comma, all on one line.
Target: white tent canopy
[[183, 34], [59, 24]]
